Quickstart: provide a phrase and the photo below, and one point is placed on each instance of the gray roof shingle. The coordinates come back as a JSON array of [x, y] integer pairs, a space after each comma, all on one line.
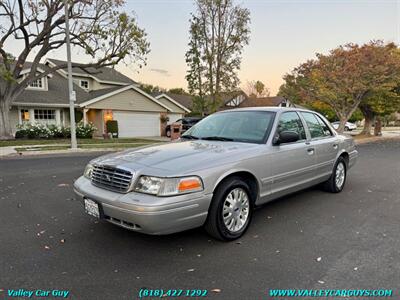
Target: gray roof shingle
[[57, 93], [103, 73]]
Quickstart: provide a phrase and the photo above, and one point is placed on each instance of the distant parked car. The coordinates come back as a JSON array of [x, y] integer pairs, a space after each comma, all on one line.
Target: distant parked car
[[218, 172], [187, 123], [348, 127]]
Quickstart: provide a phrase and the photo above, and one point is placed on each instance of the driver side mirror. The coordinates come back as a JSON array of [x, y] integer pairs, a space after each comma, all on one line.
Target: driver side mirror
[[286, 136]]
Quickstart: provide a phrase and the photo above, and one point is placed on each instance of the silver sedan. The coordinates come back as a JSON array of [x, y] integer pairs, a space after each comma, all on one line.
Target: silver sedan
[[218, 172]]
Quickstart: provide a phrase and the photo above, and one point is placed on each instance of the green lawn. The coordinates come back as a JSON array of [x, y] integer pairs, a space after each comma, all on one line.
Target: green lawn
[[82, 146], [22, 142]]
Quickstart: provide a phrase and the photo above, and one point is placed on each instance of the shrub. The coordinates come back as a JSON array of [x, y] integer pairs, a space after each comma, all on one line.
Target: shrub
[[112, 127], [85, 131], [32, 131], [41, 131]]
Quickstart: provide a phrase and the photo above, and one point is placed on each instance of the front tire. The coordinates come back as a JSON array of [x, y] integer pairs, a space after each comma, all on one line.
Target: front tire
[[336, 182], [230, 211]]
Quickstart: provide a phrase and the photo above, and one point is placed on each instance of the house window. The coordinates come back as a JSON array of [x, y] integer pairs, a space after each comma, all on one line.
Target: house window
[[84, 84], [38, 84], [24, 115], [47, 116]]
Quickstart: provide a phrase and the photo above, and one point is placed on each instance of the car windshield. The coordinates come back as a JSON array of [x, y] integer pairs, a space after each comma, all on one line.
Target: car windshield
[[239, 126]]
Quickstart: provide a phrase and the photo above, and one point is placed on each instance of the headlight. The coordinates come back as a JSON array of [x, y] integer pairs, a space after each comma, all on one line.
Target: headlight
[[88, 171], [168, 186]]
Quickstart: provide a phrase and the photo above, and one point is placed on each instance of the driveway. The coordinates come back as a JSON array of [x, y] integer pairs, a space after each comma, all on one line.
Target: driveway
[[310, 240]]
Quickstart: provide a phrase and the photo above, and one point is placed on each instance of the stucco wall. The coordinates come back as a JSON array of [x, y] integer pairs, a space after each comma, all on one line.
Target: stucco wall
[[128, 100], [96, 117]]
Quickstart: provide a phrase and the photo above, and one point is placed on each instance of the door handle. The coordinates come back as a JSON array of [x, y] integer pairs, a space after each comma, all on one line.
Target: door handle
[[335, 146], [310, 151]]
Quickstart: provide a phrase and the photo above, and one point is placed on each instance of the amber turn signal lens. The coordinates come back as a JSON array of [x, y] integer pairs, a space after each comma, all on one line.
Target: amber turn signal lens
[[189, 184]]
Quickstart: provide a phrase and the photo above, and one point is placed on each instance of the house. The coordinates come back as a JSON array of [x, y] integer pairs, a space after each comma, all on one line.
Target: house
[[173, 101], [236, 99], [101, 94], [266, 101]]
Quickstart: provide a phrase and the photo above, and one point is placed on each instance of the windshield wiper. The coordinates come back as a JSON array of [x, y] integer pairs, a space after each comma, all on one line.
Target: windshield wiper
[[189, 136], [217, 138]]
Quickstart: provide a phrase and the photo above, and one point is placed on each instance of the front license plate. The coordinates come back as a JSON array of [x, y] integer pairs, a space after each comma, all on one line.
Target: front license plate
[[92, 208]]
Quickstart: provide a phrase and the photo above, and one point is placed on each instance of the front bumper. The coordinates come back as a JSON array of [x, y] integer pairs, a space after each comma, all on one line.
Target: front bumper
[[147, 213]]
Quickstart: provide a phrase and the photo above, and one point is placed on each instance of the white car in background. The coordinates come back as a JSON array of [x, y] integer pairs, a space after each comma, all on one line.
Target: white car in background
[[348, 127]]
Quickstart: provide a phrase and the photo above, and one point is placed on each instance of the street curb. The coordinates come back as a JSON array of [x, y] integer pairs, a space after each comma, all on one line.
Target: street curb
[[375, 139]]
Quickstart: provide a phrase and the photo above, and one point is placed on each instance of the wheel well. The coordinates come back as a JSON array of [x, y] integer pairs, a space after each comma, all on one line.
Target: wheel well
[[345, 156], [247, 177]]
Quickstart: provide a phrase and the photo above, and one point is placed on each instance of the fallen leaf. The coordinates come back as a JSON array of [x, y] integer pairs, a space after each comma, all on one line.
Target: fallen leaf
[[46, 247], [63, 184], [255, 236], [115, 271], [319, 258], [198, 255], [62, 241], [137, 277], [355, 269], [321, 282], [216, 290], [269, 217], [43, 231], [238, 243], [190, 270], [277, 251], [19, 205]]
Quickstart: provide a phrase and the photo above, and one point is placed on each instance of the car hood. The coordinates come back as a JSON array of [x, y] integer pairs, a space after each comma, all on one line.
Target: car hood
[[181, 157]]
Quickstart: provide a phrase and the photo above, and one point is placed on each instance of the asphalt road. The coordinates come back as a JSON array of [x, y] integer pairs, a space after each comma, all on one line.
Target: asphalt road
[[355, 234]]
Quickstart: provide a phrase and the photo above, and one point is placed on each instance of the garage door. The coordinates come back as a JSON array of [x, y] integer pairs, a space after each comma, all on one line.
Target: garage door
[[173, 117], [133, 124]]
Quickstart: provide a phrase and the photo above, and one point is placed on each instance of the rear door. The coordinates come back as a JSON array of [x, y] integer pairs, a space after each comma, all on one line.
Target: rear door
[[292, 164], [324, 141]]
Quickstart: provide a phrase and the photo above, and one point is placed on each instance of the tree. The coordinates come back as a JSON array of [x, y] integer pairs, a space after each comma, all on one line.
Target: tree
[[378, 105], [218, 32], [345, 77], [257, 89], [150, 89], [179, 91], [98, 27]]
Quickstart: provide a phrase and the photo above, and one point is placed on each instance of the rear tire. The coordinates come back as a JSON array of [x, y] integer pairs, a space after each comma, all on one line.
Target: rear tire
[[230, 211], [336, 182]]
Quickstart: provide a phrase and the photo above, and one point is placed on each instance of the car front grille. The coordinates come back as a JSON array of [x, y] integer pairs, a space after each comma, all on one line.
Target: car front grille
[[111, 178]]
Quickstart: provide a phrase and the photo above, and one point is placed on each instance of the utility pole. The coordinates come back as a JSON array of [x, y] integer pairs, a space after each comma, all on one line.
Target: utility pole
[[71, 92]]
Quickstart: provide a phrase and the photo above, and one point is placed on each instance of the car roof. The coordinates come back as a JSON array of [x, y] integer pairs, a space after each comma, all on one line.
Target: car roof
[[267, 108]]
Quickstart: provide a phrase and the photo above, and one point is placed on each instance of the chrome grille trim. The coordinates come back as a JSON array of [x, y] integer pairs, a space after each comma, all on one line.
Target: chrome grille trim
[[111, 178]]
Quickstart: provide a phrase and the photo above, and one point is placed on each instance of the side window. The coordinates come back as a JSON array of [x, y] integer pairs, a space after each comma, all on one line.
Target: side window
[[316, 126], [325, 127], [290, 121]]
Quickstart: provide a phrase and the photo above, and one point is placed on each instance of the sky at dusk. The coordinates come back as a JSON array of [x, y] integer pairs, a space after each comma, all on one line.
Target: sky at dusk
[[283, 35]]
